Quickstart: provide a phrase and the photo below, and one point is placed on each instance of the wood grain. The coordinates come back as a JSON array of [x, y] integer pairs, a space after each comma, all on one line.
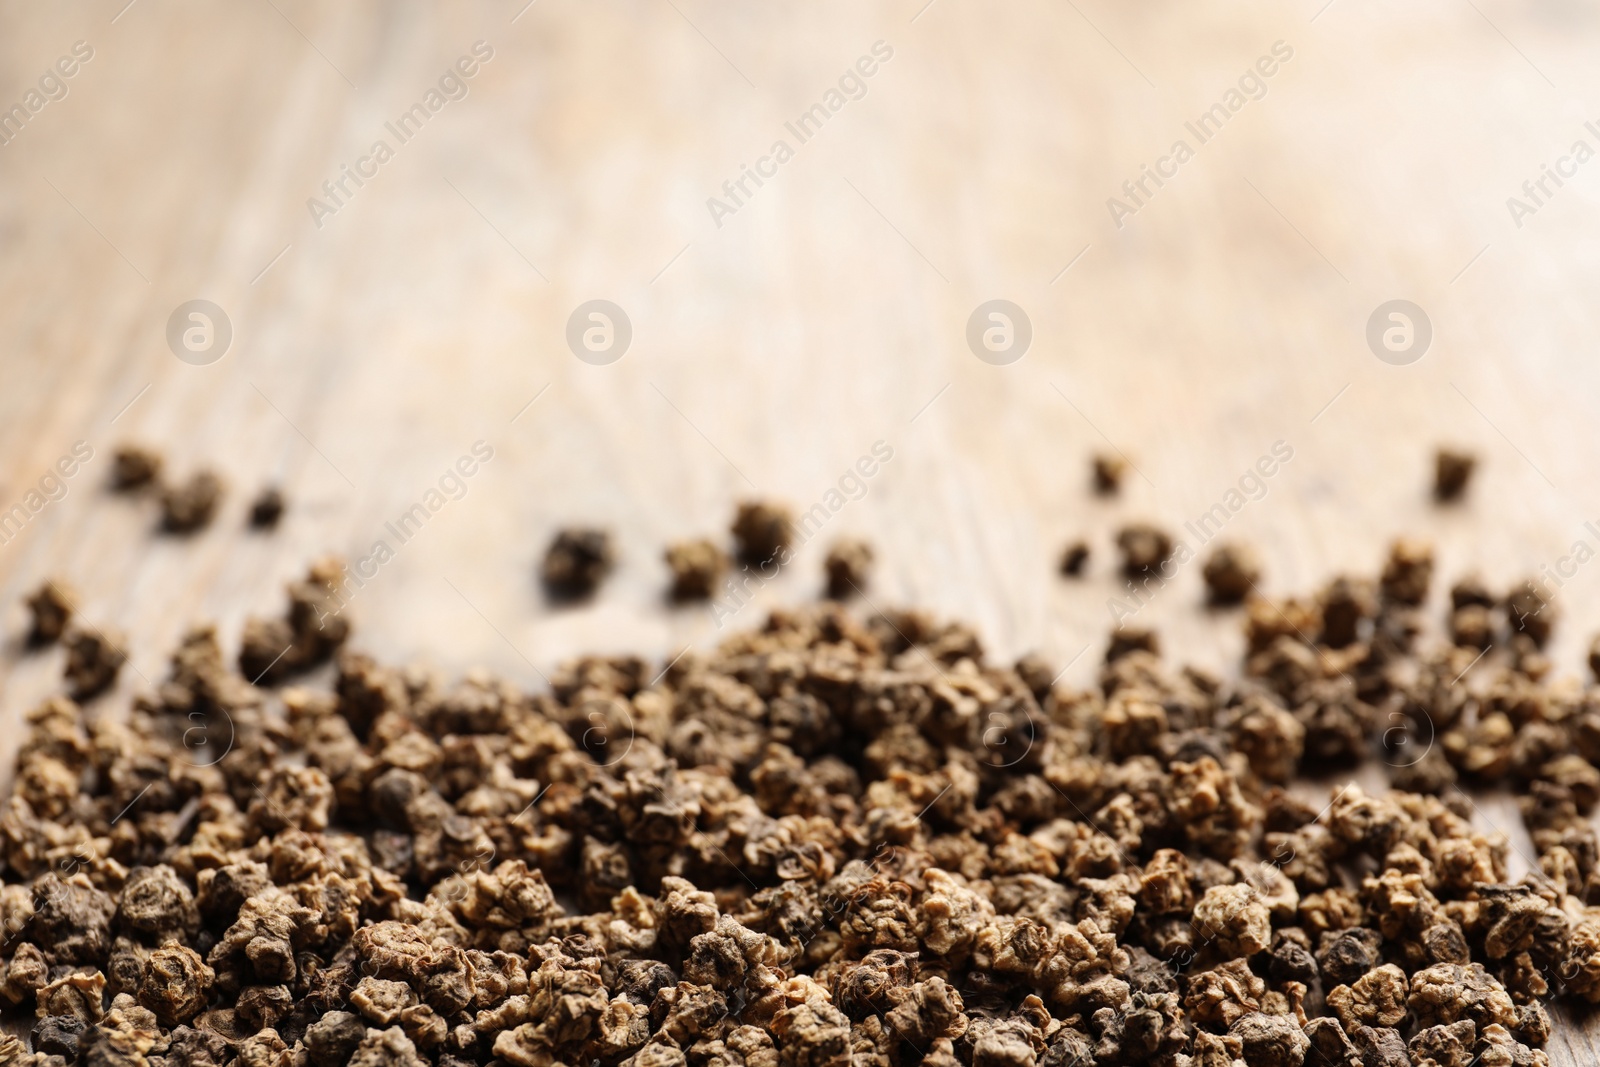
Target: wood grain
[[826, 314]]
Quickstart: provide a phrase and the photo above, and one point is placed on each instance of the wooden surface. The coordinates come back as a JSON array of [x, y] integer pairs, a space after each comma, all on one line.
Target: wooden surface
[[826, 314]]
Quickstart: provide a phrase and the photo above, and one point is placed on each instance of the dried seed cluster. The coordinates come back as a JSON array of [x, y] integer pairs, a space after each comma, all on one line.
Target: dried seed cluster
[[307, 634], [1233, 569], [186, 506], [829, 842], [189, 505], [579, 558], [94, 655]]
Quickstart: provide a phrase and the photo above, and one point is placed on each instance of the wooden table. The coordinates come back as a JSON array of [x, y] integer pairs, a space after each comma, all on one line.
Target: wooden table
[[776, 338]]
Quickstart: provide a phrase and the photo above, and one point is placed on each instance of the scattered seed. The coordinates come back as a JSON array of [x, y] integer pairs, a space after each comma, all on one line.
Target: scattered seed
[[51, 607], [1144, 548], [576, 562], [1232, 572], [267, 508], [134, 467], [697, 567], [1452, 471], [190, 506], [93, 658], [1108, 471], [762, 530], [847, 567]]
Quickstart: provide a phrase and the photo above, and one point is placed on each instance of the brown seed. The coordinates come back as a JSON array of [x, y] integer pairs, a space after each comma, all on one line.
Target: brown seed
[[1408, 572], [1472, 626], [134, 467], [310, 632], [697, 567], [51, 608], [1530, 611], [1074, 558], [1377, 998], [1270, 1040], [847, 567], [190, 506], [576, 562], [1108, 470], [1232, 572], [175, 984], [1452, 470], [263, 647], [1347, 603], [1126, 639], [1144, 548], [1471, 590], [762, 530], [93, 658], [1235, 918], [1036, 672], [267, 508]]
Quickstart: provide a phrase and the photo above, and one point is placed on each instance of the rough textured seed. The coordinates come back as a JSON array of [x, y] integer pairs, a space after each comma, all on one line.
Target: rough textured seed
[[50, 607], [1452, 471], [697, 568], [1074, 558], [1377, 998], [1144, 549], [1531, 613], [1444, 1046], [176, 984], [1408, 572], [94, 656], [847, 567], [312, 630], [1232, 572], [1270, 1040], [576, 562], [267, 508], [134, 467], [762, 530], [1235, 919], [189, 506], [1107, 471]]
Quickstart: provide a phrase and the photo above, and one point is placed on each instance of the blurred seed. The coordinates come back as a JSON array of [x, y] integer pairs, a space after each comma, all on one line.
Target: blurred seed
[[697, 566], [1231, 572], [847, 567], [1108, 471], [1452, 471], [576, 562], [1144, 548], [134, 467], [1074, 558], [762, 529], [267, 508], [51, 607], [93, 658], [190, 506]]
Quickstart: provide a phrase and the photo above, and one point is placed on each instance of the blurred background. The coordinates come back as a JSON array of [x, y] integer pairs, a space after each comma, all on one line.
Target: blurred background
[[385, 310]]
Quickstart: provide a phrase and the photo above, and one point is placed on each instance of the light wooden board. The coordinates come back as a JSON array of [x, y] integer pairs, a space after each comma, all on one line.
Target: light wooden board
[[826, 314]]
